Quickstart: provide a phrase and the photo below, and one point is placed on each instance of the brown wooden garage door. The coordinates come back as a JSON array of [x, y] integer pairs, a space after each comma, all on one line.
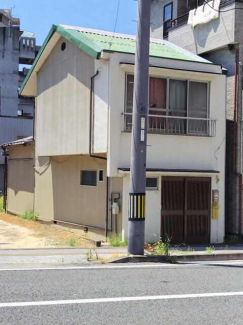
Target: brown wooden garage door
[[186, 209]]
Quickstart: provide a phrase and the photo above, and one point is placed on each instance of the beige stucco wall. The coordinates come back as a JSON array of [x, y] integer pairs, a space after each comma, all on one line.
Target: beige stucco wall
[[62, 112], [60, 197], [20, 179]]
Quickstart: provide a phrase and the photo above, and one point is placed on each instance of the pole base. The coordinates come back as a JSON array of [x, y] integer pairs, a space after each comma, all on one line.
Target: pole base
[[136, 235]]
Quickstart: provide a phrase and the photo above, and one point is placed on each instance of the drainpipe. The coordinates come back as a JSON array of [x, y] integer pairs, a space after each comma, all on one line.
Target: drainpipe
[[90, 149], [5, 186], [91, 117], [235, 111], [239, 140]]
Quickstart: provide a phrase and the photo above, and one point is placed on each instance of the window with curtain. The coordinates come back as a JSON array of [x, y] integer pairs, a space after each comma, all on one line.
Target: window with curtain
[[157, 103], [177, 105], [184, 112], [198, 107]]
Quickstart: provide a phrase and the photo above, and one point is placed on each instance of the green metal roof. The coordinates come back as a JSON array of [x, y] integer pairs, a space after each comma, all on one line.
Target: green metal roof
[[99, 41], [94, 42]]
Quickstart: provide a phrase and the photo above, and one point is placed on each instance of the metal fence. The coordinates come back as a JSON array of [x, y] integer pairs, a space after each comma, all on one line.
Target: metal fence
[[177, 125]]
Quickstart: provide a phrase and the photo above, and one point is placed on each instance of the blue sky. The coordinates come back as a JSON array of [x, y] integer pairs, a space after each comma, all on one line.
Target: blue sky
[[38, 15]]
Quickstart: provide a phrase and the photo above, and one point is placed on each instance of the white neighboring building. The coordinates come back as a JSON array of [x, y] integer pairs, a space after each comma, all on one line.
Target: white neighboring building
[[83, 83]]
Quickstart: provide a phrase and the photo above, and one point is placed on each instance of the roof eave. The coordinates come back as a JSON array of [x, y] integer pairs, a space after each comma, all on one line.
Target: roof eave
[[83, 43]]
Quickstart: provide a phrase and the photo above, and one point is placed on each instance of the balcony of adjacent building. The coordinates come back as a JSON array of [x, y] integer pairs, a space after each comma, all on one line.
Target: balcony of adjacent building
[[28, 48], [204, 37]]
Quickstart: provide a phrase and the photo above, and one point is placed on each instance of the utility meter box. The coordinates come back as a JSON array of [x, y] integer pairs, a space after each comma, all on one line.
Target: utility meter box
[[115, 208]]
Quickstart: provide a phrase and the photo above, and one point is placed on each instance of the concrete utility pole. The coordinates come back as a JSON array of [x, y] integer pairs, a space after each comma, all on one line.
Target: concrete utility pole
[[136, 219]]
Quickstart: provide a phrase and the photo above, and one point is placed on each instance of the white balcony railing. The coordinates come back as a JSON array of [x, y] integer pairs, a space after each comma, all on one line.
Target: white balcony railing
[[176, 125]]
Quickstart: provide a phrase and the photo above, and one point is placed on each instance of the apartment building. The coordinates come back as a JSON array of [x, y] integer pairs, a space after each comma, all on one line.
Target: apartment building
[[17, 53]]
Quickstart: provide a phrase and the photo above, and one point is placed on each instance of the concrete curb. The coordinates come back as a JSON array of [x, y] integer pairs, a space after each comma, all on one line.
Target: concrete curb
[[180, 258]]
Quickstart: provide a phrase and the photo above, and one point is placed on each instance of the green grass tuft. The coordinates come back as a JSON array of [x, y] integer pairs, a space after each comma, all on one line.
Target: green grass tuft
[[72, 242], [28, 215], [116, 241], [1, 204]]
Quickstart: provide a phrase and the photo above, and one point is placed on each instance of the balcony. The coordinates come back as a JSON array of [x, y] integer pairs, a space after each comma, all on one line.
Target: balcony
[[183, 19], [216, 34], [175, 125], [27, 46]]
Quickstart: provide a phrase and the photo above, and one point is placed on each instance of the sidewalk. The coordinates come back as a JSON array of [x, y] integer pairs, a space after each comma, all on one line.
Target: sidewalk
[[56, 256], [17, 258], [191, 254]]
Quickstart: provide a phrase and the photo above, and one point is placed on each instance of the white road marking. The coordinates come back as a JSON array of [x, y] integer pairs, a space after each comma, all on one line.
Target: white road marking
[[126, 266], [119, 299], [137, 266]]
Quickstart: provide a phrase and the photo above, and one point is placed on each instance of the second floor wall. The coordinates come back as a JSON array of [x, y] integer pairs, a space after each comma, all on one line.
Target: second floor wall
[[179, 137]]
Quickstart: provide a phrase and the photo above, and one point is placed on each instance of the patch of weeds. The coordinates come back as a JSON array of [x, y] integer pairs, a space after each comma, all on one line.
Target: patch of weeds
[[210, 249], [163, 248], [1, 204], [72, 242], [29, 215], [92, 255], [116, 241]]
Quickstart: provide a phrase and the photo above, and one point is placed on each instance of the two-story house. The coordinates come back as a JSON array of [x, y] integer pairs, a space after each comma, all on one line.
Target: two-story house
[[83, 83], [219, 40]]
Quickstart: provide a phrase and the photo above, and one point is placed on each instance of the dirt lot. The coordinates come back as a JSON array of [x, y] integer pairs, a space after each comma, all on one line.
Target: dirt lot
[[16, 232]]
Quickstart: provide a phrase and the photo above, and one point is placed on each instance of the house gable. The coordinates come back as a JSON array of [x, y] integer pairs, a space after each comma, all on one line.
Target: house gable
[[63, 99]]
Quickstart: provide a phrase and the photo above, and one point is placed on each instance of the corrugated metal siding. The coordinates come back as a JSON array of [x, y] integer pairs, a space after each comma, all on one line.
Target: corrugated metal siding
[[12, 128]]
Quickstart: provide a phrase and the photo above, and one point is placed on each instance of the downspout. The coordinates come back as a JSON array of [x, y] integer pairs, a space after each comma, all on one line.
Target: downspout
[[91, 118], [239, 139], [235, 111], [5, 186], [90, 148]]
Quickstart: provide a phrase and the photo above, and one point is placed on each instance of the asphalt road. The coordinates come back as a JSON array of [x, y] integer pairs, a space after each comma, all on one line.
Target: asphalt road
[[204, 293]]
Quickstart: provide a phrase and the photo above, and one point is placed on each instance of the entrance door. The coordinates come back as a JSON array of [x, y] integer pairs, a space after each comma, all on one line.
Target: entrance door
[[186, 209]]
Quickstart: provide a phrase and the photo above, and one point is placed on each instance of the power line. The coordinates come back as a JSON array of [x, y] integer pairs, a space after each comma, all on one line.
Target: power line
[[116, 20]]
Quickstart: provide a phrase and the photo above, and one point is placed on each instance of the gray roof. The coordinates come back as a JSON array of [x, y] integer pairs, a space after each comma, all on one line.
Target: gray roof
[[19, 142]]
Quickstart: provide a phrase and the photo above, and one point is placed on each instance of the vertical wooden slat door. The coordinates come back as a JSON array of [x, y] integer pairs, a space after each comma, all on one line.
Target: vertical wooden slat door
[[173, 201], [197, 210], [185, 213]]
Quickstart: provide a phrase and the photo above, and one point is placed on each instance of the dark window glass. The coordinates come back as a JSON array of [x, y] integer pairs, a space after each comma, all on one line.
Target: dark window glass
[[88, 178], [168, 15], [152, 183], [101, 176]]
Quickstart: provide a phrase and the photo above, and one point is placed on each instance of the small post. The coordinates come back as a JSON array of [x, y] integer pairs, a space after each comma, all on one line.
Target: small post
[[136, 219]]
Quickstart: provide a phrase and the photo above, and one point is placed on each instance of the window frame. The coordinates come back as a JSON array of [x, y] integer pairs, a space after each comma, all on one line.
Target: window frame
[[85, 170], [165, 31], [101, 170], [153, 188], [167, 109]]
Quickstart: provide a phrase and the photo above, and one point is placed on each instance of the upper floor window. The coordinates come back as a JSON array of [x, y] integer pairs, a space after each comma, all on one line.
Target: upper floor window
[[175, 106], [193, 4], [168, 15]]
